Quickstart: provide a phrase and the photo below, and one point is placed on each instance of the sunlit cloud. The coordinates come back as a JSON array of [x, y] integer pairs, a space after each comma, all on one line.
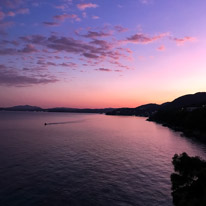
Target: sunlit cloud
[[181, 41], [84, 6], [120, 28], [62, 17], [95, 17], [161, 48]]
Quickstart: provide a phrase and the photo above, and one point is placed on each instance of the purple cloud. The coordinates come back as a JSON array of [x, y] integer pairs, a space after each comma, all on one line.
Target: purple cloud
[[95, 34], [69, 64], [120, 29], [48, 23], [181, 41], [12, 4], [144, 39], [2, 15], [62, 17], [104, 70], [96, 50], [23, 11], [29, 48], [11, 77]]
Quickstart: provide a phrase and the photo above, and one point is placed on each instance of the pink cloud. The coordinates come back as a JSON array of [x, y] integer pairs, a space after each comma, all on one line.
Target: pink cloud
[[66, 16], [62, 7], [181, 41], [84, 6], [11, 3], [6, 24], [161, 48], [23, 11], [2, 15], [95, 17], [11, 13], [118, 64], [145, 1], [19, 11], [120, 29], [29, 48], [84, 14]]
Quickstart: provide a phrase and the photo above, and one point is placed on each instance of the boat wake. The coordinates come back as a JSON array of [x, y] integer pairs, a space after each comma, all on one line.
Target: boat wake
[[68, 122]]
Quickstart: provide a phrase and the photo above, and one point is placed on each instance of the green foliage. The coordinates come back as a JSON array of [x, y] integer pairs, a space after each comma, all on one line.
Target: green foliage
[[188, 181]]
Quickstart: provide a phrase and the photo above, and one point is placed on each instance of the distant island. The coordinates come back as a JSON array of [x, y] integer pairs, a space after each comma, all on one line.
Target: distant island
[[186, 113], [56, 109]]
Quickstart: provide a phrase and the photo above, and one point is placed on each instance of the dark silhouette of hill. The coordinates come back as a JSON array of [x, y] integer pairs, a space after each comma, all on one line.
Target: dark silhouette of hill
[[186, 114], [144, 110], [23, 108], [57, 109], [190, 100]]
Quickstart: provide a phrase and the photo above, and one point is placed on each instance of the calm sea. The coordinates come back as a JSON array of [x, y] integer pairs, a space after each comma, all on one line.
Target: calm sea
[[87, 159]]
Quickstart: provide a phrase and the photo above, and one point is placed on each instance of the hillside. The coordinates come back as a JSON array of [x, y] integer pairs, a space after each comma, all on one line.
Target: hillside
[[144, 110], [186, 114]]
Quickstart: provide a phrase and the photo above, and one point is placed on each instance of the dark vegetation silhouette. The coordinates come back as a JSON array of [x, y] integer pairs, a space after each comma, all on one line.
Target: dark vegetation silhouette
[[188, 181], [143, 110], [186, 114]]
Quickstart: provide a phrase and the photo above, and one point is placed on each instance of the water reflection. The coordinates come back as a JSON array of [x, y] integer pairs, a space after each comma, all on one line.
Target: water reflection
[[98, 160]]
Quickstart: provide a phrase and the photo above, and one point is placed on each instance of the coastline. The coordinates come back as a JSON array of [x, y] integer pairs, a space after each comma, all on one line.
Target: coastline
[[188, 133]]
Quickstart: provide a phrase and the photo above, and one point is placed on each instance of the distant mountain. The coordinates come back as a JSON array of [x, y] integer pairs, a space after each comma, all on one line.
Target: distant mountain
[[144, 110], [57, 109], [23, 108]]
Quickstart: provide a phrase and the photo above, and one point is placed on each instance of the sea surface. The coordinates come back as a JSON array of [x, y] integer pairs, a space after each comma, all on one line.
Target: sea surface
[[87, 160]]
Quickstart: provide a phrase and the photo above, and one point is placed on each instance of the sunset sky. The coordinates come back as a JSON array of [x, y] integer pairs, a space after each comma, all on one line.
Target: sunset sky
[[101, 53]]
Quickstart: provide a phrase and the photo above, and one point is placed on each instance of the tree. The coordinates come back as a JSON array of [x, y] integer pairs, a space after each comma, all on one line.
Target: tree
[[188, 181]]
